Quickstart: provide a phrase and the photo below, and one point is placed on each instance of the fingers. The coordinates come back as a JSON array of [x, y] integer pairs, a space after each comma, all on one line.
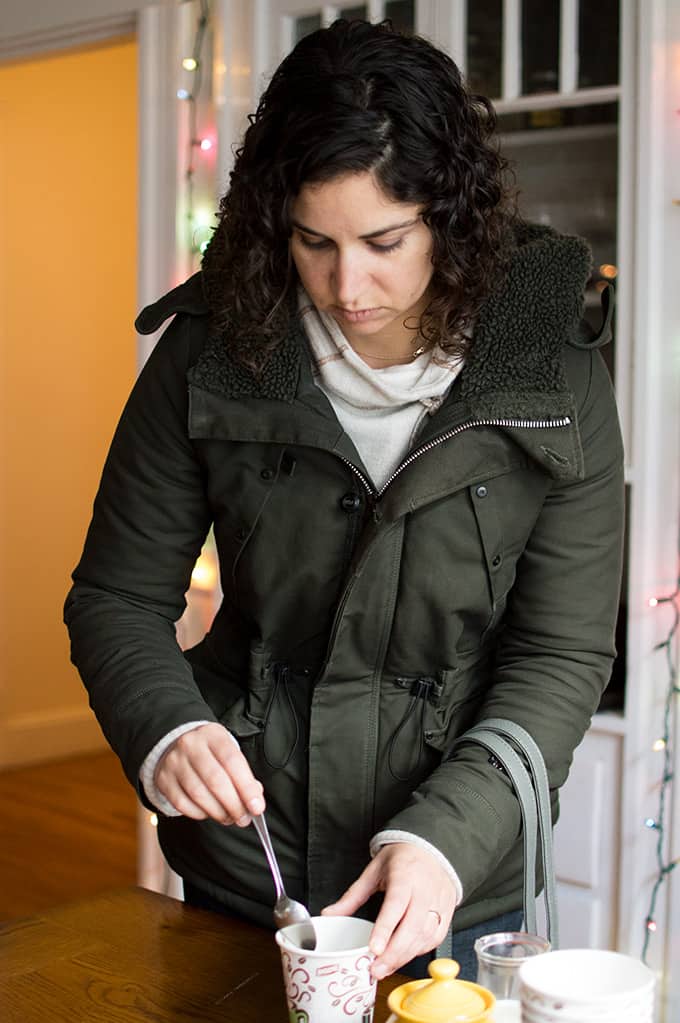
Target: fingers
[[433, 920], [395, 905], [419, 902], [249, 789], [415, 933], [399, 933], [205, 775]]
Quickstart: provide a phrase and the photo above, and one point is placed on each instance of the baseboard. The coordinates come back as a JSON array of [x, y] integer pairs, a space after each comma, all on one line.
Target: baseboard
[[48, 735]]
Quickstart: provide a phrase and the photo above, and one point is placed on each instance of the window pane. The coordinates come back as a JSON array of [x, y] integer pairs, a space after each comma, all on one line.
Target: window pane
[[357, 13], [540, 46], [598, 43], [485, 46], [401, 14], [304, 26]]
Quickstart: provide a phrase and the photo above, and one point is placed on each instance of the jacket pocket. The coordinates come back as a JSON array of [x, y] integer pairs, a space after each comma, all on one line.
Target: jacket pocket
[[267, 716], [406, 748], [427, 710], [257, 486], [498, 573], [433, 710]]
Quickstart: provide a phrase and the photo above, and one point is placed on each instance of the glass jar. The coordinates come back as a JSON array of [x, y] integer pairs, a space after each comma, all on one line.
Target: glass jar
[[499, 957]]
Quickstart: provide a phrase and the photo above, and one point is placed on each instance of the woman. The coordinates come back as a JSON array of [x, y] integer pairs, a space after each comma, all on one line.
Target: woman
[[378, 394]]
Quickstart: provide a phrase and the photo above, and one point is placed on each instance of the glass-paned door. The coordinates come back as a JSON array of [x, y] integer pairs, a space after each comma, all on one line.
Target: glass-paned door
[[285, 22], [531, 47], [304, 25], [484, 45], [540, 46], [356, 12], [402, 15], [598, 35]]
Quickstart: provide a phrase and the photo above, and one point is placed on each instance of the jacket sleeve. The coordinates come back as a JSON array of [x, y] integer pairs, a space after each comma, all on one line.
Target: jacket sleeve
[[555, 646], [151, 517]]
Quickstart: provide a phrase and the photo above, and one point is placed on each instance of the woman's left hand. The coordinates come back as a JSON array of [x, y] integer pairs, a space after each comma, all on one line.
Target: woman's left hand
[[417, 909]]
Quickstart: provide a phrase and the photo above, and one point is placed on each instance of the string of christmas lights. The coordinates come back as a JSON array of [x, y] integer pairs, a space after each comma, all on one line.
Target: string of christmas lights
[[194, 64], [664, 745]]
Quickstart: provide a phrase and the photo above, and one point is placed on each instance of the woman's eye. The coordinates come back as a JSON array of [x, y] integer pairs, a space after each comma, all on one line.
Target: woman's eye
[[387, 248], [326, 243], [313, 245]]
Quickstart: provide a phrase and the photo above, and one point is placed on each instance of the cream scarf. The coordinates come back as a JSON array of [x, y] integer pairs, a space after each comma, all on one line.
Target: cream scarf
[[381, 410]]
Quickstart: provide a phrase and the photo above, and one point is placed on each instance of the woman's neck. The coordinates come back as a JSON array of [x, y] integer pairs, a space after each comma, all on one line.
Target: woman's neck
[[378, 361]]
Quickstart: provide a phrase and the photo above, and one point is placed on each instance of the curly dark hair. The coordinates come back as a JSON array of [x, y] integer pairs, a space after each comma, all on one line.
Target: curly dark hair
[[350, 98]]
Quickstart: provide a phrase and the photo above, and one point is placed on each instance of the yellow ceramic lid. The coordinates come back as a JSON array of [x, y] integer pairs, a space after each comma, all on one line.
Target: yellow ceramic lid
[[443, 999]]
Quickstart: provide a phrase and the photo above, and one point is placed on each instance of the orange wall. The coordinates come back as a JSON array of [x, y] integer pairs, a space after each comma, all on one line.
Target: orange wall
[[68, 193]]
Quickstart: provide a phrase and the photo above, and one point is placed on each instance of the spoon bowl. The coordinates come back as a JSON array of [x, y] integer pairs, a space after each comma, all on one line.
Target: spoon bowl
[[286, 910]]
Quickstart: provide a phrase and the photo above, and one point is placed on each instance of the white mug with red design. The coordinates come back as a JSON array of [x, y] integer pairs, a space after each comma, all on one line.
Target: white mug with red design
[[333, 982]]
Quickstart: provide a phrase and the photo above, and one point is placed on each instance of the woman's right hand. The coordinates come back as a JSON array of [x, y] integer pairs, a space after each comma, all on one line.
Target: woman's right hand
[[205, 775]]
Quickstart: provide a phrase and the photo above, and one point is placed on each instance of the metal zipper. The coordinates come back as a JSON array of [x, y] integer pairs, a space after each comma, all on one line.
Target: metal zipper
[[525, 424], [536, 424]]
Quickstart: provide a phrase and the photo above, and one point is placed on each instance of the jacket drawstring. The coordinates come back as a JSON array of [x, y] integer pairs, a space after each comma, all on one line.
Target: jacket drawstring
[[281, 679], [420, 690]]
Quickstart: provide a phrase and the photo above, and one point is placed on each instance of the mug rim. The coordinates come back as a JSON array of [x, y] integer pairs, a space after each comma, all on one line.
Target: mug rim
[[284, 942]]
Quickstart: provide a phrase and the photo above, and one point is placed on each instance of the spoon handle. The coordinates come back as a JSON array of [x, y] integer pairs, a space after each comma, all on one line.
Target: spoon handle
[[261, 827]]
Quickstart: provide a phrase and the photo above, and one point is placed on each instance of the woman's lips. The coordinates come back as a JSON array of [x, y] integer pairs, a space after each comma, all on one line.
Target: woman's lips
[[356, 315]]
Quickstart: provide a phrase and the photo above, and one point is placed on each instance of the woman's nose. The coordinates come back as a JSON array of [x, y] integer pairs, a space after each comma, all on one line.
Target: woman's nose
[[348, 275]]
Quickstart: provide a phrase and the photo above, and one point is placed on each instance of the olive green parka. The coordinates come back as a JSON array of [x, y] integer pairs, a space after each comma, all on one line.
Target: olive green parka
[[362, 631]]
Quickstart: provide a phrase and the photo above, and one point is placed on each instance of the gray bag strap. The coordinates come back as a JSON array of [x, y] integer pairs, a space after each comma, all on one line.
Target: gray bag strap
[[514, 768], [539, 777], [529, 779]]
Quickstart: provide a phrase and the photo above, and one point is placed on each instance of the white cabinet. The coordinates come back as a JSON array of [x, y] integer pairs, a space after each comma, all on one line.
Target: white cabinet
[[586, 844]]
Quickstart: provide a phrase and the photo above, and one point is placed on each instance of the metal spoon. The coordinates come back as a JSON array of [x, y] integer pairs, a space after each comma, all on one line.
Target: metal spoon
[[286, 911]]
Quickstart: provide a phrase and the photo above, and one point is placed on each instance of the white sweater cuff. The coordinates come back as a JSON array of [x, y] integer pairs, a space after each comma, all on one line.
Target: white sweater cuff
[[150, 763], [389, 837]]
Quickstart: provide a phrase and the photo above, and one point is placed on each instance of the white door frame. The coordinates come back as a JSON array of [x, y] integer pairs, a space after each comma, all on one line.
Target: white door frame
[[655, 488]]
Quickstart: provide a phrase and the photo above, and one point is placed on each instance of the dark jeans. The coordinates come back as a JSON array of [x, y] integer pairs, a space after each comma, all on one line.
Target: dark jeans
[[464, 946], [463, 941]]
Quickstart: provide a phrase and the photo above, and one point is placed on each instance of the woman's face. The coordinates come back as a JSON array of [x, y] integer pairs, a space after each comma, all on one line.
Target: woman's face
[[363, 258]]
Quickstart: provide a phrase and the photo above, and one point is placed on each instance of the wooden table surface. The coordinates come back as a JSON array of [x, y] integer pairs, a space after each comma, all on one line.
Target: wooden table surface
[[134, 955]]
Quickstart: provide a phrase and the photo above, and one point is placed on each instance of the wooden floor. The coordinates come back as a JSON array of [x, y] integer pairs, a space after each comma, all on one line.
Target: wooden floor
[[67, 831]]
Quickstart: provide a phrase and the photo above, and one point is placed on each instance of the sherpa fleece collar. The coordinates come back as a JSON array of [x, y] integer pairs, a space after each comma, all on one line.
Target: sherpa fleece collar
[[514, 368]]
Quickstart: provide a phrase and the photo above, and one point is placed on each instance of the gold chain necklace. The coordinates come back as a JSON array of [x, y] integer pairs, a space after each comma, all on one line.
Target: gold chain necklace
[[392, 358]]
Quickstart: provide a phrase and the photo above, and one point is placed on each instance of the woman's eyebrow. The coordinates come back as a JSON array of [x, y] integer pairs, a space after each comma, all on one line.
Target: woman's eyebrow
[[371, 234]]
